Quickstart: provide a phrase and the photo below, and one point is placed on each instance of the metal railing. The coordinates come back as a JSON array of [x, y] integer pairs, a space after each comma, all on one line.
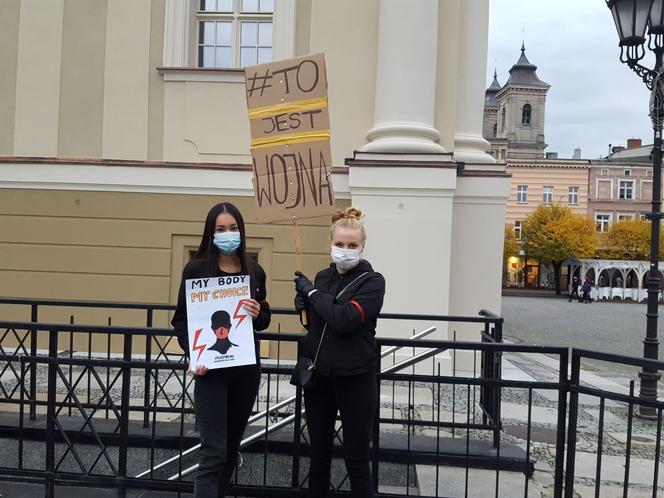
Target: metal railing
[[641, 434], [88, 426], [58, 379], [93, 438], [492, 331], [284, 422]]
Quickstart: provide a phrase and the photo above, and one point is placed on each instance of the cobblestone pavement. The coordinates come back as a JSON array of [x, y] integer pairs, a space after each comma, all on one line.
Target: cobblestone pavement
[[609, 327], [614, 327]]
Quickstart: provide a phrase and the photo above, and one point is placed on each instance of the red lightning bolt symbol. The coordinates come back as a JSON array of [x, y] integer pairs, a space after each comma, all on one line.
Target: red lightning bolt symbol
[[237, 314], [198, 347]]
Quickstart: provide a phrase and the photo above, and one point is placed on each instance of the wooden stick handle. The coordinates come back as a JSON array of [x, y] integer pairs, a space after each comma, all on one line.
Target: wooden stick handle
[[298, 262]]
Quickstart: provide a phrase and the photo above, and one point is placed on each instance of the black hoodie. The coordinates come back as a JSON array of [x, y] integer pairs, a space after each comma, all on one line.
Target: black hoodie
[[349, 346]]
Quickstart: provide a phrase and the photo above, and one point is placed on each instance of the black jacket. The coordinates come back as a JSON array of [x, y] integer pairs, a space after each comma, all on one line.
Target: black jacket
[[196, 269], [349, 346]]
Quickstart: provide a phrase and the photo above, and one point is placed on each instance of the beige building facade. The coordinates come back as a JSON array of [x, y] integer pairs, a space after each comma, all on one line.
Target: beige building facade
[[122, 122], [561, 181], [547, 181]]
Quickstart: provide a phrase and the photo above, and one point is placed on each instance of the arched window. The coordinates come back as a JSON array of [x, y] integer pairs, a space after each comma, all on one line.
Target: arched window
[[526, 114], [502, 120], [494, 130]]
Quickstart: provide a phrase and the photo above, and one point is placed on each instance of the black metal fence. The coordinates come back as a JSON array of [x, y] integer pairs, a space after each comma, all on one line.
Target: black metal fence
[[124, 419]]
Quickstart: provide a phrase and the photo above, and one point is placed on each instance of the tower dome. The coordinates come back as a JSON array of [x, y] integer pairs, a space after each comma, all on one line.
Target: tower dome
[[524, 73], [490, 93]]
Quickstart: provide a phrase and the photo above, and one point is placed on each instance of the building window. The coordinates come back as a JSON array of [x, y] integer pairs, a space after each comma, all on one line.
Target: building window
[[522, 194], [573, 195], [547, 195], [502, 120], [494, 130], [526, 115], [604, 189], [605, 172], [518, 229], [627, 172], [626, 190], [234, 33], [625, 216], [602, 222], [648, 172], [646, 190]]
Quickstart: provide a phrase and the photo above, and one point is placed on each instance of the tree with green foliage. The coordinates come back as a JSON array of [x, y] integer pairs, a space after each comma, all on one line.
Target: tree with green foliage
[[554, 233]]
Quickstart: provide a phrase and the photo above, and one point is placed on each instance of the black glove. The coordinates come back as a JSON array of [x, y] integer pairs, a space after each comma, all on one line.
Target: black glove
[[300, 302], [302, 284]]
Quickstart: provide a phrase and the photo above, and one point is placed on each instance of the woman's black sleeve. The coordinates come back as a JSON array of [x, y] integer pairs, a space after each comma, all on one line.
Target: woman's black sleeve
[[345, 317], [179, 320], [262, 321]]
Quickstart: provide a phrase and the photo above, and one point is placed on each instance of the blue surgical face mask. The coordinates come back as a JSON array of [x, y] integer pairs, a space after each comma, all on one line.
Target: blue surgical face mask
[[227, 242]]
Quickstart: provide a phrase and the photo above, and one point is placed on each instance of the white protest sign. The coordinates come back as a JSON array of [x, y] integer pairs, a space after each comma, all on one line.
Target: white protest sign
[[220, 330]]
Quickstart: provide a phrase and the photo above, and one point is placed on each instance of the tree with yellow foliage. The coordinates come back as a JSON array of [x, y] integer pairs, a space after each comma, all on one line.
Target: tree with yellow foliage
[[554, 233], [629, 239]]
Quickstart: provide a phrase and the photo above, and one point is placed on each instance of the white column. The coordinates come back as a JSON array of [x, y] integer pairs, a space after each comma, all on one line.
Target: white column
[[283, 30], [408, 216], [177, 25], [406, 78], [38, 62], [469, 144], [476, 257]]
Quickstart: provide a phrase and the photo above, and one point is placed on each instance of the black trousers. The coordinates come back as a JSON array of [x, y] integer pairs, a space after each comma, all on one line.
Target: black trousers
[[355, 397], [223, 402]]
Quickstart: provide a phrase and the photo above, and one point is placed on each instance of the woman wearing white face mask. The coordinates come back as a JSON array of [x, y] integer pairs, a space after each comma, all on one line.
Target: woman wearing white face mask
[[342, 304]]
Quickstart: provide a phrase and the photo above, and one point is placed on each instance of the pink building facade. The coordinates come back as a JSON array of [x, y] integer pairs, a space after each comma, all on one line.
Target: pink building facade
[[618, 190]]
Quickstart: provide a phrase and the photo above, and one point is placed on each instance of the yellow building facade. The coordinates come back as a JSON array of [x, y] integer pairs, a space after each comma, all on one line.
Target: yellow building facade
[[123, 121]]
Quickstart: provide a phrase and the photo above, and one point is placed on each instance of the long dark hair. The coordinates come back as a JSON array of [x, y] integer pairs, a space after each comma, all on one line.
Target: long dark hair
[[209, 253]]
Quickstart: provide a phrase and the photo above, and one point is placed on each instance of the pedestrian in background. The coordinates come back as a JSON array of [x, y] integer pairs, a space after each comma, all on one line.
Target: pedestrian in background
[[575, 290], [585, 290]]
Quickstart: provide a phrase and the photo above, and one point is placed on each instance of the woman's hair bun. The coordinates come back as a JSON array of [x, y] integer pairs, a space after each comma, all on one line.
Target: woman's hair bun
[[350, 213]]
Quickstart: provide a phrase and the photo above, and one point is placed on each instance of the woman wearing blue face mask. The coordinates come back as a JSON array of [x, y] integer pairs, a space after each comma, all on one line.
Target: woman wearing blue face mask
[[223, 397], [342, 303]]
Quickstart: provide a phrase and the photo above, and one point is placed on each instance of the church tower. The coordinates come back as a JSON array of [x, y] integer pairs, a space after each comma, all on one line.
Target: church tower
[[519, 108], [490, 126]]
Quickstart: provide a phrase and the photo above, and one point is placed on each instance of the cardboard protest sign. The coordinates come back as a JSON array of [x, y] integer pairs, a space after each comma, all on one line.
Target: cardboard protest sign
[[221, 333], [290, 132]]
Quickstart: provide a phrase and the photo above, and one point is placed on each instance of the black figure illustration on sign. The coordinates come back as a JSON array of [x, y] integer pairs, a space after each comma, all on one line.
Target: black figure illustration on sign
[[221, 326]]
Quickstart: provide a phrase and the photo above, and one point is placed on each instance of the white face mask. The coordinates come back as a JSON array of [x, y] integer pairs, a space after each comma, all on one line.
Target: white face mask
[[345, 259]]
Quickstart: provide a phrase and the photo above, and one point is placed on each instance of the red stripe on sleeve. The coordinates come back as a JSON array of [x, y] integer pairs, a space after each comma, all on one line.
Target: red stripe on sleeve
[[357, 305]]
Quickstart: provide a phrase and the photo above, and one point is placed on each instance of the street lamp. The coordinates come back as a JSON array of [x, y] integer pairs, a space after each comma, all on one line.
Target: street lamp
[[632, 18]]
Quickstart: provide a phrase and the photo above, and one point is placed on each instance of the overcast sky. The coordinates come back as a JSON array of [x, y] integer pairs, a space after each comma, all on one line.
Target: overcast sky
[[594, 99]]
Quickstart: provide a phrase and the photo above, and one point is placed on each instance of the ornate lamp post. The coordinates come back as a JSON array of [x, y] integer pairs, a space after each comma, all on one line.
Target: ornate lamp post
[[632, 18]]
